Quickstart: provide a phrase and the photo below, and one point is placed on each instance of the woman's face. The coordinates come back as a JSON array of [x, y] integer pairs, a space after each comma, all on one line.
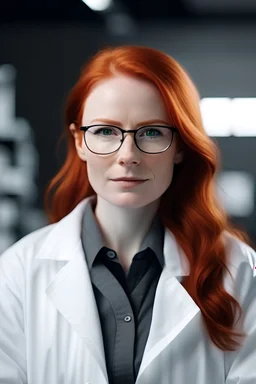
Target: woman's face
[[128, 103]]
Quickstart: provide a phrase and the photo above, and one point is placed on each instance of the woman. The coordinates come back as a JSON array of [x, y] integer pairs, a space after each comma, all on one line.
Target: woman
[[138, 280]]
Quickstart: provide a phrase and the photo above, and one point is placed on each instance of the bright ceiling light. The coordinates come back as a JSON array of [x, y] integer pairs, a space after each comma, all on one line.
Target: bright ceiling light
[[98, 5], [229, 117], [243, 117], [216, 115]]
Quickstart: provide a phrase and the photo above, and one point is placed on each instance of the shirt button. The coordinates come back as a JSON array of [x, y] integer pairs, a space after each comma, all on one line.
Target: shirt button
[[127, 318], [111, 254]]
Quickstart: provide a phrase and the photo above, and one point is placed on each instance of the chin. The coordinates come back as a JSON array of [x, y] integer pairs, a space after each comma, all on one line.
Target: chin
[[129, 200]]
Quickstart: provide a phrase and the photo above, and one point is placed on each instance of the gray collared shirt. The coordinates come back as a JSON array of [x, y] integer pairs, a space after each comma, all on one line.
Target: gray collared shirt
[[125, 302]]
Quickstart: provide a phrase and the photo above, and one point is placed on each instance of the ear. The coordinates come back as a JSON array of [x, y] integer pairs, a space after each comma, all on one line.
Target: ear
[[78, 142], [178, 157]]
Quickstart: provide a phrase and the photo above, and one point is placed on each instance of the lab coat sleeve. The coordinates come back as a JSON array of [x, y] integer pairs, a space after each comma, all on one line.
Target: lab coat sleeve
[[241, 364], [12, 335]]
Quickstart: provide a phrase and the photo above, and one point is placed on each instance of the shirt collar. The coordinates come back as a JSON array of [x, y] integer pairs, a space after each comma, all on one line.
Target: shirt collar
[[92, 239]]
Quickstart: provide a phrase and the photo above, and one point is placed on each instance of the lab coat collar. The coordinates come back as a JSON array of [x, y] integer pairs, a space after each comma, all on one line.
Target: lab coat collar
[[71, 293], [65, 238]]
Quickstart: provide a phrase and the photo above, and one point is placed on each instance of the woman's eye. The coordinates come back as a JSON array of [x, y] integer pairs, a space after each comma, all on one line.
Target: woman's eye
[[106, 131], [152, 132]]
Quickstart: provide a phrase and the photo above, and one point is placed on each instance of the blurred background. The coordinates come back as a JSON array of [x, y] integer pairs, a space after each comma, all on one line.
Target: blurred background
[[44, 44]]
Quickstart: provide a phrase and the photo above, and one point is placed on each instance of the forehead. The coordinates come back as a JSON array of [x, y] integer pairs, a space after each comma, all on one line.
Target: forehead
[[124, 97]]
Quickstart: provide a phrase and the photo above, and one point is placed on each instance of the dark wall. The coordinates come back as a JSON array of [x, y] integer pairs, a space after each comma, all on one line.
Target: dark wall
[[48, 59]]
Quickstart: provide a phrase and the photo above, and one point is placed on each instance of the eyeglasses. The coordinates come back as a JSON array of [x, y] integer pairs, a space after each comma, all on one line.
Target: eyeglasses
[[103, 139]]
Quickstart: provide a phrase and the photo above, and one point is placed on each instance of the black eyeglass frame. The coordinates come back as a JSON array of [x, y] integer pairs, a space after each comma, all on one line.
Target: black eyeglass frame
[[123, 131]]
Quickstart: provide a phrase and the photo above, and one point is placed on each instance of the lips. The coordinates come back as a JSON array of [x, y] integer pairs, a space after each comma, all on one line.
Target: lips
[[127, 179]]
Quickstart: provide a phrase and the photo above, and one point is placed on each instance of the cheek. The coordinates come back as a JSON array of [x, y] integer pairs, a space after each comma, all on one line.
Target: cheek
[[163, 168], [163, 175], [96, 170]]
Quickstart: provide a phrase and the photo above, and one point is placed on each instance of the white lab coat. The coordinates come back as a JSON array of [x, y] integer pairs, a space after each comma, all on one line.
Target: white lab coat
[[50, 330]]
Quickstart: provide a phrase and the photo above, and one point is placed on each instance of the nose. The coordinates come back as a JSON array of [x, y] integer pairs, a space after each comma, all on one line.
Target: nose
[[129, 153]]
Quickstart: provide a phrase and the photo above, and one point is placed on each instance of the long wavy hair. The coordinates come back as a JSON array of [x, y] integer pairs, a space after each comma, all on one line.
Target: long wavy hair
[[188, 208]]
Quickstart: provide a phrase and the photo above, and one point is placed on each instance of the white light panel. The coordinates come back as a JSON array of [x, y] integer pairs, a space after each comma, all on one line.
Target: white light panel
[[224, 117], [98, 5], [236, 192]]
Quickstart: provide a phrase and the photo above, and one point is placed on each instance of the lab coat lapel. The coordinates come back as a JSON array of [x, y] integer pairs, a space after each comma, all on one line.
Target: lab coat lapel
[[173, 306], [70, 291]]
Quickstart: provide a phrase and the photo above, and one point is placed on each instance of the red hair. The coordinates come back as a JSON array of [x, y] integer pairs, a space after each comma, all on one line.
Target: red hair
[[188, 208]]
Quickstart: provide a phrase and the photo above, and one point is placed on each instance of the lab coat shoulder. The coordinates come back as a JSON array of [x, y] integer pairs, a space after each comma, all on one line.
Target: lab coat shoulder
[[15, 264], [238, 251], [19, 257], [27, 245], [240, 364], [241, 263]]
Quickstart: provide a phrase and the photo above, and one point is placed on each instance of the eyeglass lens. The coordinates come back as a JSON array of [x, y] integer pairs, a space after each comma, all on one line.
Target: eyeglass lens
[[106, 139]]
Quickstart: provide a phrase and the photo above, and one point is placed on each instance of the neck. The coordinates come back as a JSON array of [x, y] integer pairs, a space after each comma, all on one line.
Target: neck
[[124, 228]]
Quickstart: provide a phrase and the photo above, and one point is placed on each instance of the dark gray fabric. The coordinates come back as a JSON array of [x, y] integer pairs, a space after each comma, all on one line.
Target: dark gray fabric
[[124, 302]]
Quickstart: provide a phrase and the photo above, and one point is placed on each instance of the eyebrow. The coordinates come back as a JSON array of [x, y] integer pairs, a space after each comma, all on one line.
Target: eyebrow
[[114, 122]]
